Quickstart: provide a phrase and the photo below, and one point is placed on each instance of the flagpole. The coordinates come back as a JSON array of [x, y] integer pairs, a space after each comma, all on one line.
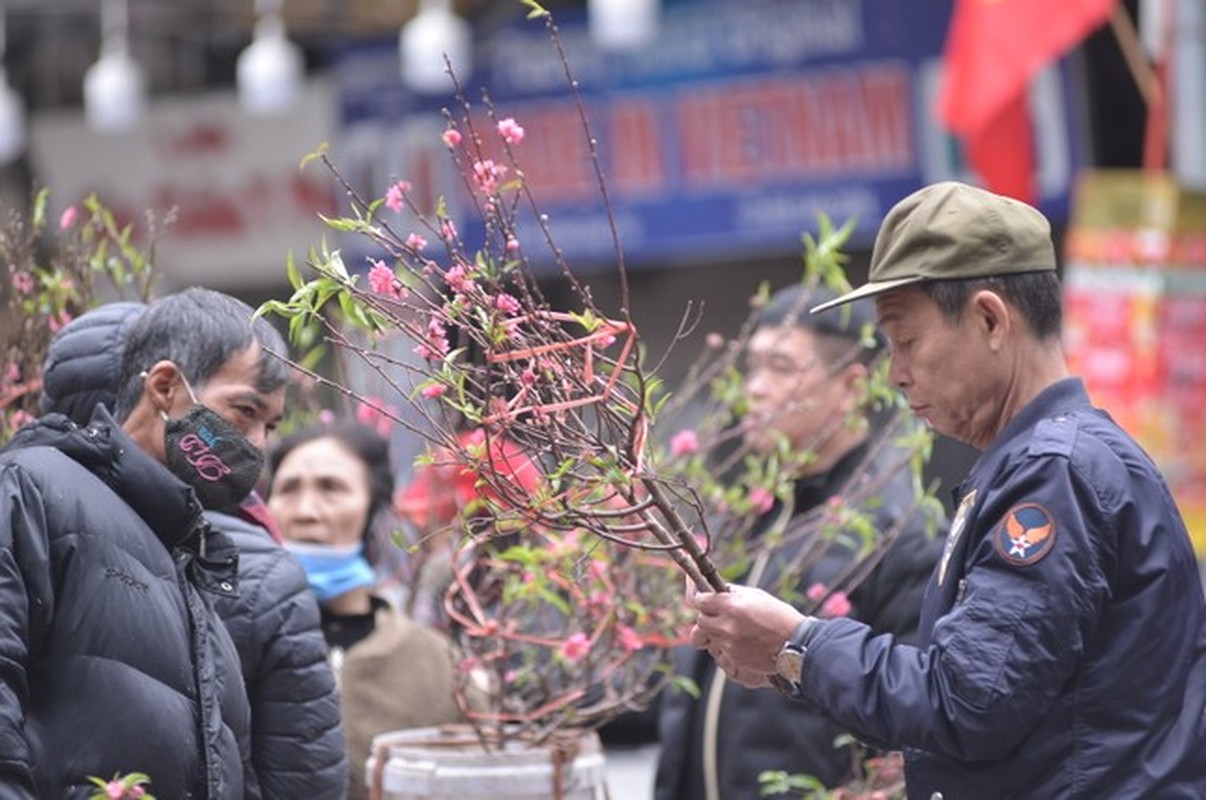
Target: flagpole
[[1152, 84]]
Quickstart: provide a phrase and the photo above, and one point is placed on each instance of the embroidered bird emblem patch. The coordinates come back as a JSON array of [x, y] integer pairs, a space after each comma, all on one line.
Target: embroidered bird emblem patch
[[1025, 536]]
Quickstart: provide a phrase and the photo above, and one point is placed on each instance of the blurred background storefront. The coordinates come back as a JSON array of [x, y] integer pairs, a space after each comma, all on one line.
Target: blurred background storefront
[[722, 129]]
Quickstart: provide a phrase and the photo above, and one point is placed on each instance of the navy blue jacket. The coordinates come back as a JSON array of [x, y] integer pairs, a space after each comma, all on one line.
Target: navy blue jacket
[[1062, 648]]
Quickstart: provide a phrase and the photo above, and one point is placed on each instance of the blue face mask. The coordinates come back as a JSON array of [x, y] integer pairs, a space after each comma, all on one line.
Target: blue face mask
[[333, 570]]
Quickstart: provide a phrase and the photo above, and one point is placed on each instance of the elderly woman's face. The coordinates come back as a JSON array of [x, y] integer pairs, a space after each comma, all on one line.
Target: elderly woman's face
[[320, 494]]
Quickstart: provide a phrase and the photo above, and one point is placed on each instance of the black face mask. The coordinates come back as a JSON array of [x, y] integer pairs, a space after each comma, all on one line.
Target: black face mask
[[210, 455]]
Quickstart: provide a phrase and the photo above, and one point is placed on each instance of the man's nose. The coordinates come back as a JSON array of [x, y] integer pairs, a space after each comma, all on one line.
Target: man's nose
[[897, 373], [258, 436]]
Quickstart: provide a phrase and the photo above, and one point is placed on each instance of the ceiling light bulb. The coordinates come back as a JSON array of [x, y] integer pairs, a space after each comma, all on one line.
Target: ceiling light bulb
[[622, 24], [115, 91], [430, 36], [12, 122], [269, 72]]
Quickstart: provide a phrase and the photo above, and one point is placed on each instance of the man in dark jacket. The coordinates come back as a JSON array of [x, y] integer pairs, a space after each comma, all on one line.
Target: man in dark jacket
[[805, 383], [111, 659], [1062, 641], [296, 736]]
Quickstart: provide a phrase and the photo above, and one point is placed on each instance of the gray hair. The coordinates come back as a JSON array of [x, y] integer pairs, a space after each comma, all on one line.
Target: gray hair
[[1036, 295], [198, 330]]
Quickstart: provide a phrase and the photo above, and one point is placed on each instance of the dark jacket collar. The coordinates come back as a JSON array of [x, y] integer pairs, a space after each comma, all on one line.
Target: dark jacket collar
[[1062, 397], [167, 504], [812, 490]]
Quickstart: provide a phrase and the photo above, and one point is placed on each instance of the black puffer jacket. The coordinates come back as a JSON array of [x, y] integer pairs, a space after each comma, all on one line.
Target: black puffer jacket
[[84, 360], [734, 733], [111, 658], [297, 738]]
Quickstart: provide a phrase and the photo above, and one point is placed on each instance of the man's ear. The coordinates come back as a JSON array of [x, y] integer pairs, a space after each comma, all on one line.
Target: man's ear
[[992, 317], [854, 380], [160, 385]]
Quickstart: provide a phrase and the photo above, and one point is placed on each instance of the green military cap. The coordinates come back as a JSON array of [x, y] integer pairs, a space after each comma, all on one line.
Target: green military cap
[[952, 230]]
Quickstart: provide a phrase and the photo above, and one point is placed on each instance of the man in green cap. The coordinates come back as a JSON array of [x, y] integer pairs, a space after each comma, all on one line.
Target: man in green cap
[[1062, 640]]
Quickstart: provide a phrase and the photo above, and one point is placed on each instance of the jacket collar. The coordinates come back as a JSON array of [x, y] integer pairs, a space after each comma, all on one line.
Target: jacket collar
[[1062, 397], [812, 490], [167, 504]]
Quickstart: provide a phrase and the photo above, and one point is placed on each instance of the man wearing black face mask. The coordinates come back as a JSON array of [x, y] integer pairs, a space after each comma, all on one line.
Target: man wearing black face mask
[[111, 659], [297, 743]]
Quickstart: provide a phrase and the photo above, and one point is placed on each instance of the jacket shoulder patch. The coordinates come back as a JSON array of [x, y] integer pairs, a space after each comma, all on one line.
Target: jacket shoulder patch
[[1025, 535]]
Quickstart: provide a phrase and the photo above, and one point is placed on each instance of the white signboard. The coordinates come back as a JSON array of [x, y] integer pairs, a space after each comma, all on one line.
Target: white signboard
[[240, 200]]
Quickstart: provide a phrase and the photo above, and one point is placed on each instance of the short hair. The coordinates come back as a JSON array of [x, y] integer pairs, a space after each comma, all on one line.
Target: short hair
[[370, 447], [1036, 296], [837, 333], [198, 330]]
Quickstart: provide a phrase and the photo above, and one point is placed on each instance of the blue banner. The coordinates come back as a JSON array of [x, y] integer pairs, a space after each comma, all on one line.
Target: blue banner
[[722, 140]]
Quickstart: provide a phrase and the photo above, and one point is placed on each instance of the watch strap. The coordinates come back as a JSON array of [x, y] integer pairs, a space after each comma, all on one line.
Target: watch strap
[[797, 644], [799, 637]]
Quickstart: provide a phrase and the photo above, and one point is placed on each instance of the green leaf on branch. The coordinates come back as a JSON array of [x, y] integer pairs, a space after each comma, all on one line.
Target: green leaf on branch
[[344, 224], [318, 152], [535, 10]]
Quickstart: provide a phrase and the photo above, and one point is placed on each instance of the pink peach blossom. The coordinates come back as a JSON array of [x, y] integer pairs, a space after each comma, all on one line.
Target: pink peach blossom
[[373, 412], [506, 303], [20, 418], [836, 605], [761, 499], [23, 282], [458, 279], [488, 174], [684, 443], [816, 592], [394, 195], [575, 647], [451, 137], [433, 390], [68, 218], [436, 346], [416, 242], [59, 320], [510, 131], [382, 280], [629, 639]]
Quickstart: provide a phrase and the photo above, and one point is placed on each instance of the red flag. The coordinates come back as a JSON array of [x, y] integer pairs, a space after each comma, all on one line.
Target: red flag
[[993, 49]]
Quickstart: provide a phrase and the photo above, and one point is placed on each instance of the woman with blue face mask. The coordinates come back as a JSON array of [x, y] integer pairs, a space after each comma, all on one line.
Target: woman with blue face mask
[[329, 486]]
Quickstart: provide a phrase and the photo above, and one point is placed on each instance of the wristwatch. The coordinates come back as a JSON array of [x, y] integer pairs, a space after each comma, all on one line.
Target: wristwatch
[[789, 662]]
